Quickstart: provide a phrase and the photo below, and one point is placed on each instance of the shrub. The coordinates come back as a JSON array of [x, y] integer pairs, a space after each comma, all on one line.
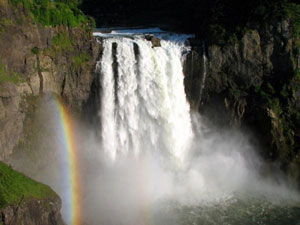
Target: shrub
[[53, 13], [35, 50], [62, 42]]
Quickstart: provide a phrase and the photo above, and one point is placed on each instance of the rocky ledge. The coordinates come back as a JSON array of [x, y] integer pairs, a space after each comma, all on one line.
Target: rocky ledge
[[33, 212]]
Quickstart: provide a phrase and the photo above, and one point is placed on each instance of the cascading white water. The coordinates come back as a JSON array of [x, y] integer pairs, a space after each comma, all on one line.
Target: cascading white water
[[149, 110], [204, 60]]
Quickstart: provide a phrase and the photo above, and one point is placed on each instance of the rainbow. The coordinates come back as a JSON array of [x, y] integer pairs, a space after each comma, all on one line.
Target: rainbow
[[73, 182]]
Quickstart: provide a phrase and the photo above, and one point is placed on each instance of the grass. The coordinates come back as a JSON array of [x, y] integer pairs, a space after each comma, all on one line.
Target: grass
[[15, 187]]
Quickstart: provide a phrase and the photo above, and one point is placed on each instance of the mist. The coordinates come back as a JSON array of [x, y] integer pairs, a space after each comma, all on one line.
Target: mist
[[133, 189], [218, 167]]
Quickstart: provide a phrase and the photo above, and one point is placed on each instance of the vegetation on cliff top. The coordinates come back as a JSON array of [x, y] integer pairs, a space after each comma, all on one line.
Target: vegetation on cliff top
[[64, 44], [58, 12], [15, 187]]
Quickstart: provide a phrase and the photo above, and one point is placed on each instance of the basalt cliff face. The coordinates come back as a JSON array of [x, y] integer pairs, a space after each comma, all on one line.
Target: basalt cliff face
[[252, 83], [25, 201], [37, 60], [33, 212]]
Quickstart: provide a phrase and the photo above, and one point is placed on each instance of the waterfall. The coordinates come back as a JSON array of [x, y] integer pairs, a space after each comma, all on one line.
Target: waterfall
[[204, 61], [143, 103]]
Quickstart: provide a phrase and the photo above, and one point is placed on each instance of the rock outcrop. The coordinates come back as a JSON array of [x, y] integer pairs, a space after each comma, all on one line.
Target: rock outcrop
[[154, 40], [33, 212], [25, 201]]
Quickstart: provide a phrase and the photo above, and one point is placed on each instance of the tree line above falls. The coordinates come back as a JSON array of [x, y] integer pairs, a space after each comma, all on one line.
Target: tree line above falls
[[55, 12], [206, 18]]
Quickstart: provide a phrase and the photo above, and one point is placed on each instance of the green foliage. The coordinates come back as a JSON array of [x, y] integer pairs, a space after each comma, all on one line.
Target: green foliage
[[4, 23], [285, 91], [292, 11], [270, 89], [281, 97], [35, 50], [53, 13], [297, 73], [62, 42], [217, 34], [14, 187], [81, 59], [91, 22], [9, 76], [275, 105], [261, 92]]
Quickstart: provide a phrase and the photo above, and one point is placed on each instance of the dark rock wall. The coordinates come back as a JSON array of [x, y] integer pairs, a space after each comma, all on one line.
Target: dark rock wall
[[245, 87]]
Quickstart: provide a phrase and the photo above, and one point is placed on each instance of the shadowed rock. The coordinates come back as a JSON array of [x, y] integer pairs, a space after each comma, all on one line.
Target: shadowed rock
[[154, 40]]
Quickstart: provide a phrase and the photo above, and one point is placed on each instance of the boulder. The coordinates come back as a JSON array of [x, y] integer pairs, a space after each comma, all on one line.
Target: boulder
[[154, 40]]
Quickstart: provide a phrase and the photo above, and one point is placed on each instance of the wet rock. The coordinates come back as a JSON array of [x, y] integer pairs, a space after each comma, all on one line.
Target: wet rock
[[154, 40], [194, 42]]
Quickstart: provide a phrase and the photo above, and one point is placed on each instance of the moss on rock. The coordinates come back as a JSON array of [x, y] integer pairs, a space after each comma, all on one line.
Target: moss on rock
[[16, 187]]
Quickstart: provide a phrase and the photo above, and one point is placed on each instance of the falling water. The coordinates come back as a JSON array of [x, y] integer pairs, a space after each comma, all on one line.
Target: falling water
[[204, 60], [149, 110]]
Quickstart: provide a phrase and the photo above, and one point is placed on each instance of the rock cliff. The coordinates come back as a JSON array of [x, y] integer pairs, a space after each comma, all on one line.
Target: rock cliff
[[33, 212], [253, 83], [35, 60]]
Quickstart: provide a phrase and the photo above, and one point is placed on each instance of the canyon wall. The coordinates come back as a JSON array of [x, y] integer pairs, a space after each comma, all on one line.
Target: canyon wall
[[253, 83], [37, 60]]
